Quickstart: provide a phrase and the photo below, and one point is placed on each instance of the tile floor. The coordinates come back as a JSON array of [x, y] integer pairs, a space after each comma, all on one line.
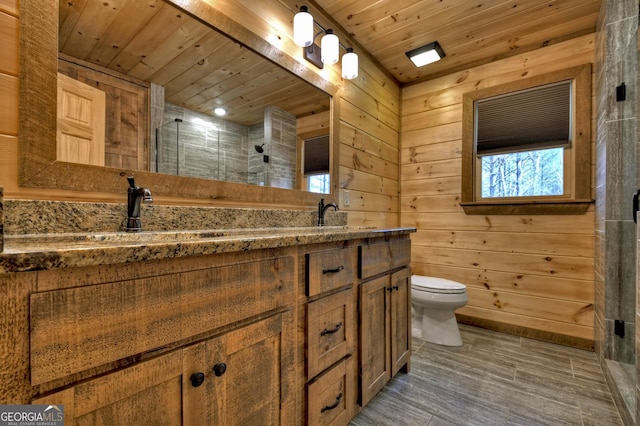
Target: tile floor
[[495, 379]]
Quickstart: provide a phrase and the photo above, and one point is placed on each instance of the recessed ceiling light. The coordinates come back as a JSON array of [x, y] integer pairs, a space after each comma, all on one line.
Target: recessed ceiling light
[[219, 111]]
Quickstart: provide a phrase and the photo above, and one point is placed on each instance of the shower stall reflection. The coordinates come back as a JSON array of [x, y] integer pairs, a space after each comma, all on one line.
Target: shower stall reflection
[[203, 150]]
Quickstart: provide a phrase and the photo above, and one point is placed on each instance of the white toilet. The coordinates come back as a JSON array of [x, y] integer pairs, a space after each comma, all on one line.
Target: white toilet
[[433, 304]]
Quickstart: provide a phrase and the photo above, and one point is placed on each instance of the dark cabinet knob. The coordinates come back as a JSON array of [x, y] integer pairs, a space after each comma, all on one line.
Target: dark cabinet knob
[[197, 379], [219, 369]]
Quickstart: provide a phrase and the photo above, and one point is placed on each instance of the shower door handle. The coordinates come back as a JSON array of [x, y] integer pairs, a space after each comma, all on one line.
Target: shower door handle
[[636, 203]]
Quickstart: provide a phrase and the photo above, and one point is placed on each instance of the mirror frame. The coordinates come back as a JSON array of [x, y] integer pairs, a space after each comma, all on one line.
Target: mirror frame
[[38, 167]]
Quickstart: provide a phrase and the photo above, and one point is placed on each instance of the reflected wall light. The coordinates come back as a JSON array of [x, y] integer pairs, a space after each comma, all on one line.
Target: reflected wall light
[[426, 54], [329, 50]]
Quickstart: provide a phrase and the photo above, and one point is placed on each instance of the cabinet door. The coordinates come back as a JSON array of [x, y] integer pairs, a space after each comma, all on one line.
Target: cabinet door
[[374, 337], [400, 320], [245, 376], [149, 392]]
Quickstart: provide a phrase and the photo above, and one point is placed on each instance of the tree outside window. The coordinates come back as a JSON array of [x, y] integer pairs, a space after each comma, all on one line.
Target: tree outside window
[[320, 184], [523, 174]]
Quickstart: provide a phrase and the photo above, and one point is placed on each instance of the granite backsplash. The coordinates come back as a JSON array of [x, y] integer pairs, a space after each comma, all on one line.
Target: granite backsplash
[[47, 217]]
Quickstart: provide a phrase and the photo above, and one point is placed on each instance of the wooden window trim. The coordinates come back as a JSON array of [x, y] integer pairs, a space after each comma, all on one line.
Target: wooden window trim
[[578, 198]]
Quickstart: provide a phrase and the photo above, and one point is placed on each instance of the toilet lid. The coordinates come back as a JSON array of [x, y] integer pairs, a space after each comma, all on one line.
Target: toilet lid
[[436, 285]]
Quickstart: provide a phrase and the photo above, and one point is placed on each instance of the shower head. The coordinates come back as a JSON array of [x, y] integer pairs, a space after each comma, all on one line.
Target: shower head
[[259, 148]]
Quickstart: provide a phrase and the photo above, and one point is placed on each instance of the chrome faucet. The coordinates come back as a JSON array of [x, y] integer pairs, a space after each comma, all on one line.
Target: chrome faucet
[[135, 195], [322, 208]]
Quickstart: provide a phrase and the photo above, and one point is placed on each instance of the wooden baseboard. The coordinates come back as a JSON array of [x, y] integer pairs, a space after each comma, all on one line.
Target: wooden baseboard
[[560, 339]]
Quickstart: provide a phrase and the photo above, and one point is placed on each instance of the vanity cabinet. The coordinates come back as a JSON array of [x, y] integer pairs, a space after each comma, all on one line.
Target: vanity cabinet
[[277, 334], [330, 335], [385, 313], [206, 344], [234, 379]]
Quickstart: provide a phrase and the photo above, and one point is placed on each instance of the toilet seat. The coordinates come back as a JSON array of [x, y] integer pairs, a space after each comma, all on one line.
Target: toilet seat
[[436, 285]]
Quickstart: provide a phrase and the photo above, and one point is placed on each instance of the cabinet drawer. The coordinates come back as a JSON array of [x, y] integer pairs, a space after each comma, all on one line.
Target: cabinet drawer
[[76, 329], [329, 269], [330, 331], [377, 258], [331, 397]]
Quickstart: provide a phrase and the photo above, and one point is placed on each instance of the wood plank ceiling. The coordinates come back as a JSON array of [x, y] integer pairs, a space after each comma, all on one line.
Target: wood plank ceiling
[[184, 56], [199, 68], [471, 32]]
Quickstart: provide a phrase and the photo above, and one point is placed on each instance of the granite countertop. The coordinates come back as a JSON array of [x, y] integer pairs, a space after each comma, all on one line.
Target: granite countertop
[[31, 252]]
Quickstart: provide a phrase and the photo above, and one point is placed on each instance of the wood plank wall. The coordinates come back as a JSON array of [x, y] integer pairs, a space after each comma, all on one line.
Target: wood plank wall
[[531, 273], [369, 115], [9, 69]]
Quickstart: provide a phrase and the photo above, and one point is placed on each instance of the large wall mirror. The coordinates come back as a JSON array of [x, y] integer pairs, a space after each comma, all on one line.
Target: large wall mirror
[[162, 71]]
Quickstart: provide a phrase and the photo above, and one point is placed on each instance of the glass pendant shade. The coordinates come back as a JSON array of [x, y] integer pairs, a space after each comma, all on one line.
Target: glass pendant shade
[[349, 65], [330, 48], [303, 28]]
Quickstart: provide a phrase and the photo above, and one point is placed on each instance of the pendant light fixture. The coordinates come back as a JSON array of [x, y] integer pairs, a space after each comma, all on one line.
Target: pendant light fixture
[[303, 28], [349, 65], [329, 50]]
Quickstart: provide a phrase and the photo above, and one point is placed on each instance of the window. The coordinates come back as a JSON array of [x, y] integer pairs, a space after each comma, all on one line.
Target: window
[[527, 145], [316, 164], [320, 184], [523, 174], [520, 141]]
